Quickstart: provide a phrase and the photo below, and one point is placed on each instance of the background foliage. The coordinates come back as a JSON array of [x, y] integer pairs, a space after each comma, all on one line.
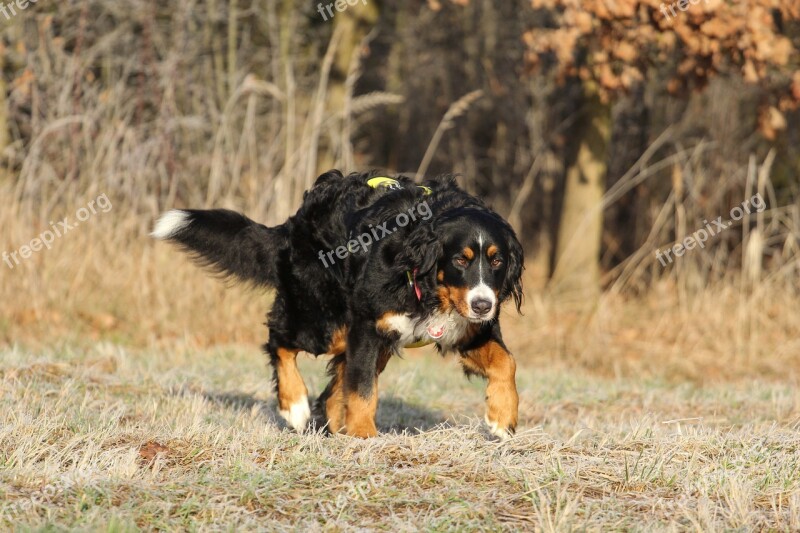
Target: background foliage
[[602, 130]]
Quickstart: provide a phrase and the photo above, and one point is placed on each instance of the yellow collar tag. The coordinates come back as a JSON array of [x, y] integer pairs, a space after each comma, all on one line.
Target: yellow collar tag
[[390, 183], [383, 181]]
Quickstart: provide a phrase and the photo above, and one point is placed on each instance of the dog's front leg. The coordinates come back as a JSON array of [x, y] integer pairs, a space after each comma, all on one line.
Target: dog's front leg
[[364, 348], [493, 361]]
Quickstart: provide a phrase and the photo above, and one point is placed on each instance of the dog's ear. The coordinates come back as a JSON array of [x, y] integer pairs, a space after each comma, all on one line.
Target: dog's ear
[[421, 250], [332, 174], [512, 285]]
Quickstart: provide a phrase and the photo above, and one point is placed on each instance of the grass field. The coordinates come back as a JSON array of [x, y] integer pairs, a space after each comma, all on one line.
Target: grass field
[[109, 438]]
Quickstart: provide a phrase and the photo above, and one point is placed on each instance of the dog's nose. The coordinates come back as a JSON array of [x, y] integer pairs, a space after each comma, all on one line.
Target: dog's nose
[[481, 306]]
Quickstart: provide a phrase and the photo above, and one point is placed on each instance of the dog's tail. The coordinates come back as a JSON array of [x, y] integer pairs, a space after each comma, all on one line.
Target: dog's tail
[[226, 242]]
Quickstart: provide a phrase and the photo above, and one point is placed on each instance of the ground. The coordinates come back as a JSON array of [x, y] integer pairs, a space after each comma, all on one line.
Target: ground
[[110, 438]]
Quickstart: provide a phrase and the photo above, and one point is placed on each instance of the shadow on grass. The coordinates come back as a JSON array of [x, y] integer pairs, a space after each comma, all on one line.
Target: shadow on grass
[[397, 415], [237, 401], [394, 414]]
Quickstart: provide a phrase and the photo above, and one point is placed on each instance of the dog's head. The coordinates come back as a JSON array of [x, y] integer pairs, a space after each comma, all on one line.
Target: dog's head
[[475, 259]]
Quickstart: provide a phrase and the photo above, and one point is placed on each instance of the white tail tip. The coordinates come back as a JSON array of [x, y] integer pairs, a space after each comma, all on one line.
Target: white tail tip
[[170, 223]]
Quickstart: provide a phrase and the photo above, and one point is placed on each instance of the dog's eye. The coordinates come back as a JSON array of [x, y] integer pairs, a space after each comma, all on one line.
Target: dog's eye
[[461, 261], [496, 263]]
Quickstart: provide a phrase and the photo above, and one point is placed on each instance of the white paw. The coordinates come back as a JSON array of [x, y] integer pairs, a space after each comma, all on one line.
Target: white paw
[[502, 433], [298, 414]]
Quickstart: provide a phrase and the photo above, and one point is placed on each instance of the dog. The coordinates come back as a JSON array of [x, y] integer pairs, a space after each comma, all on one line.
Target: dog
[[369, 265]]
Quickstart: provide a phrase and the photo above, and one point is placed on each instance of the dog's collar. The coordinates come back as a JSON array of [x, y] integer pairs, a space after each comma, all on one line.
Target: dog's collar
[[391, 183], [412, 282]]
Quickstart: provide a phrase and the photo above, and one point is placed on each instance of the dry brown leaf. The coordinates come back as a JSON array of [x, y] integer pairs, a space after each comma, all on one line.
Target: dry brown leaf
[[149, 450], [626, 52], [796, 85]]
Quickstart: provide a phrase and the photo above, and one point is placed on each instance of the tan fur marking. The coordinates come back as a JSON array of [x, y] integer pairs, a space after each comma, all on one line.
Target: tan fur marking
[[360, 419], [491, 251], [383, 359], [443, 293], [291, 388], [453, 298], [502, 401], [472, 367], [335, 404], [468, 253], [338, 342], [440, 276], [458, 299]]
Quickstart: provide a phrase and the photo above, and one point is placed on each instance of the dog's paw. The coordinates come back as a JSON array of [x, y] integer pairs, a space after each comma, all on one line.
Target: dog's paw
[[362, 432], [297, 415], [500, 431]]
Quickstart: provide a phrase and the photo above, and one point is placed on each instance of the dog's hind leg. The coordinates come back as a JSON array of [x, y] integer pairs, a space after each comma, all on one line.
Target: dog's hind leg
[[292, 391]]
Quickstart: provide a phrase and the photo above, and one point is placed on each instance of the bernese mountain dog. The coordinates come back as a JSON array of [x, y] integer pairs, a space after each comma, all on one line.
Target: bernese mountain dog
[[369, 265]]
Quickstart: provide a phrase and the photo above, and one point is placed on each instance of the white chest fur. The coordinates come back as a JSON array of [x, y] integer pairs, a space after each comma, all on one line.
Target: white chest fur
[[452, 325]]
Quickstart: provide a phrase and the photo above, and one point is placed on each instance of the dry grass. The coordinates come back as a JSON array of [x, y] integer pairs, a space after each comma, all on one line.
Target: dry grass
[[109, 438]]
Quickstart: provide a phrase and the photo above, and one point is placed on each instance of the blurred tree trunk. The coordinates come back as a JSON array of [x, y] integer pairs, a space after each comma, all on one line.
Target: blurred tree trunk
[[4, 140], [355, 23], [577, 259]]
